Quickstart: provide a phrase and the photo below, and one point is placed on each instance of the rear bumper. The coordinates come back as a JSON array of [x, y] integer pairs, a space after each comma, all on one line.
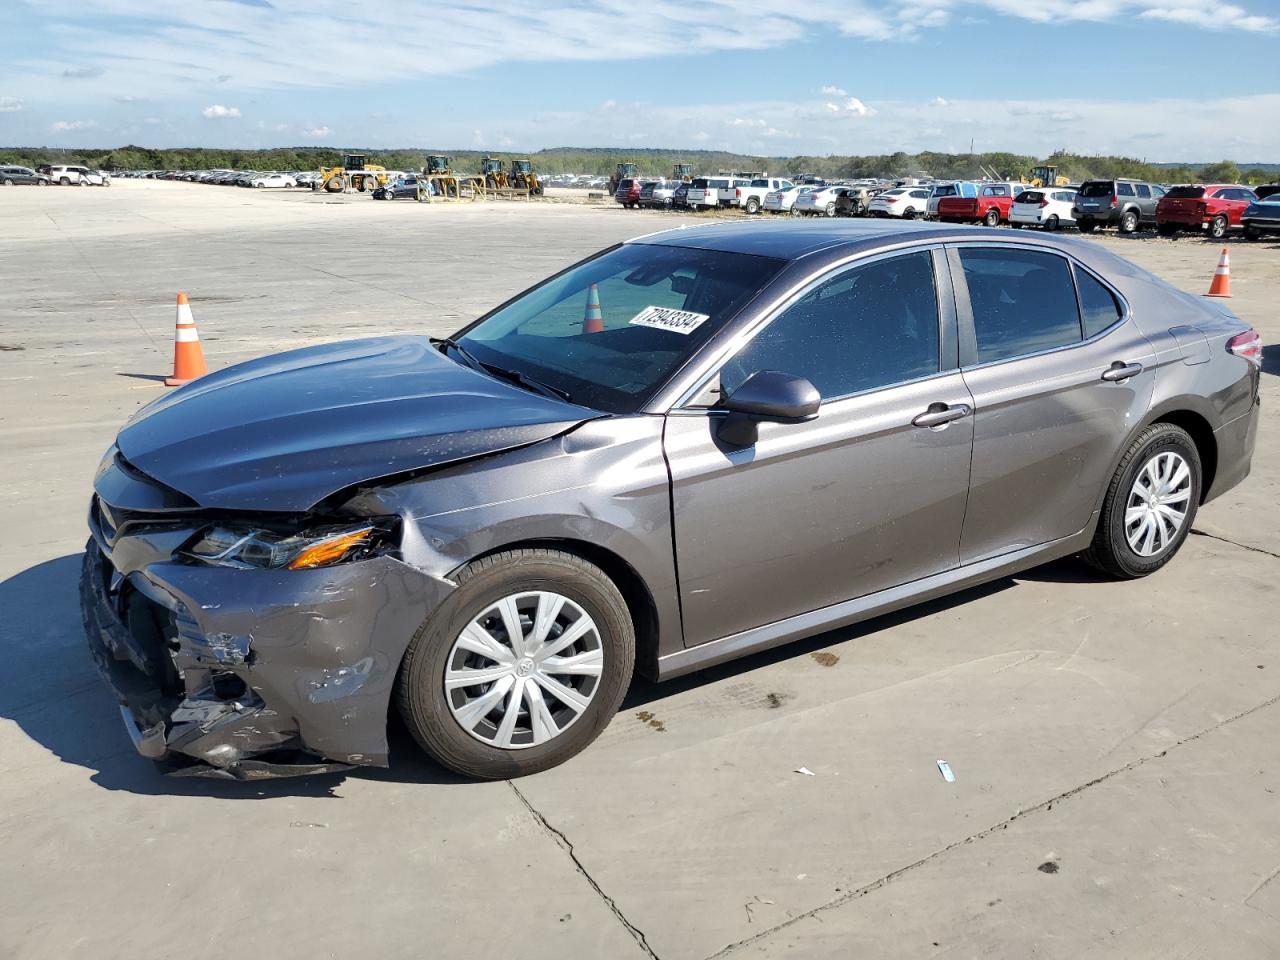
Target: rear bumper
[[1192, 220], [1235, 442], [253, 673]]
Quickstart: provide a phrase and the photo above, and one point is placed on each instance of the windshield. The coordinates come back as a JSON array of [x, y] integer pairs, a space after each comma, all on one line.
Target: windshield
[[657, 306], [1185, 193]]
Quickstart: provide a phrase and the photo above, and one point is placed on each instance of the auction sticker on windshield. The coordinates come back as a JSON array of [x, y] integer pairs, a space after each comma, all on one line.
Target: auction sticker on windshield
[[668, 318]]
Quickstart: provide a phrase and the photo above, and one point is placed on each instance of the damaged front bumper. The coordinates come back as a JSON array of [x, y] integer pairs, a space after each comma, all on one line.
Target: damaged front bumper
[[250, 673]]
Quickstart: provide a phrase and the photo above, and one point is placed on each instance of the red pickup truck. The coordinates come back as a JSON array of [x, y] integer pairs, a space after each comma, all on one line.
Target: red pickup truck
[[990, 206], [1214, 208]]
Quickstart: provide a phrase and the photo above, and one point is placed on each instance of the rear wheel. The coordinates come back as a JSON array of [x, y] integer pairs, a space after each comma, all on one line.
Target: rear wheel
[[1129, 221], [1150, 504], [1218, 227], [8, 182], [521, 667], [1251, 232], [1053, 222], [753, 205], [909, 214], [830, 210], [992, 219]]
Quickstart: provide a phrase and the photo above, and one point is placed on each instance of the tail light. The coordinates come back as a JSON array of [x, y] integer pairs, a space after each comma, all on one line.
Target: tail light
[[737, 193], [890, 199], [1043, 203], [1114, 201], [1203, 208], [1247, 345]]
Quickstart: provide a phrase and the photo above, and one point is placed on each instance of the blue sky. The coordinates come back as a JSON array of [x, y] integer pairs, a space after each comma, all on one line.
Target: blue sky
[[1162, 79]]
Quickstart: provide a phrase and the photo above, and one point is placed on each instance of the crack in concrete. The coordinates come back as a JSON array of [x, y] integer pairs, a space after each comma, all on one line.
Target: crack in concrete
[[1234, 543], [563, 842], [1043, 806]]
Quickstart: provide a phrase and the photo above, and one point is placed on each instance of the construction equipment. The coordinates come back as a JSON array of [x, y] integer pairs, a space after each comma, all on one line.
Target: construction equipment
[[682, 172], [523, 177], [494, 172], [623, 171], [355, 172], [1046, 175], [444, 184]]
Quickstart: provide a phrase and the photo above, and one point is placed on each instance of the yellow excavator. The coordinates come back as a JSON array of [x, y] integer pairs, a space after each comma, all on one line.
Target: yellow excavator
[[1047, 175], [523, 177], [355, 172]]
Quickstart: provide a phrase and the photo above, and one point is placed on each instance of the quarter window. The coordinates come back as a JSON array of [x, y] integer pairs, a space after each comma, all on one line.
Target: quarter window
[[867, 327], [1098, 306], [1023, 302], [1144, 191], [1124, 189]]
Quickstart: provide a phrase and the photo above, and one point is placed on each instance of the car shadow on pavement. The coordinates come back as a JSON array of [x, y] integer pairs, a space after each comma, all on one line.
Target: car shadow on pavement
[[52, 692]]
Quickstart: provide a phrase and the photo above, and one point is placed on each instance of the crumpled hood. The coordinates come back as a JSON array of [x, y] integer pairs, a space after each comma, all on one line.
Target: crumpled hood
[[282, 432]]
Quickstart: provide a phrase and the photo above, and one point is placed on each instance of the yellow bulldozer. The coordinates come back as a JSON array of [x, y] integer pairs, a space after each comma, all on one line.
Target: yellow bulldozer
[[355, 172], [524, 178], [494, 172], [1047, 175]]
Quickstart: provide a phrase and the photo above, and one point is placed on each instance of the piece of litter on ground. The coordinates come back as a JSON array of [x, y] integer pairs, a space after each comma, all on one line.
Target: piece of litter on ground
[[801, 876], [945, 769], [806, 771]]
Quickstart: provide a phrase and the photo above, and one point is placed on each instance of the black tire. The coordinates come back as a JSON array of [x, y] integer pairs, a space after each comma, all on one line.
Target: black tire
[[1166, 230], [1129, 221], [1218, 227], [1251, 232], [1015, 226], [420, 685], [992, 219], [1053, 223], [830, 210], [1110, 551], [8, 182], [753, 206], [909, 214], [64, 182], [1087, 226]]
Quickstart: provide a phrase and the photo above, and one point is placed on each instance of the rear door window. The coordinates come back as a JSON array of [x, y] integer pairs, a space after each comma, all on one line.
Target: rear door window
[[1099, 308], [1023, 302], [1124, 189], [869, 326]]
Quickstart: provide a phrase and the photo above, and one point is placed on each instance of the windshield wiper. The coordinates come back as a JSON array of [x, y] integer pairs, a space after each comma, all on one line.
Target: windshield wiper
[[463, 352], [512, 376], [528, 382]]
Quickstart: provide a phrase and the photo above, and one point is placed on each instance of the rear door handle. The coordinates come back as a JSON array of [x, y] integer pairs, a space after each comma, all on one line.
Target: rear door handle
[[1121, 371], [940, 414]]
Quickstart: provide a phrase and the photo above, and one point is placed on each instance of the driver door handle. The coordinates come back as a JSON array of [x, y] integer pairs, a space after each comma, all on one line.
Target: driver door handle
[[940, 414], [1121, 371]]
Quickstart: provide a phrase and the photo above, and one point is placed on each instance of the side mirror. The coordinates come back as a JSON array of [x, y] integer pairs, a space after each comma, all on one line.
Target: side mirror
[[766, 395]]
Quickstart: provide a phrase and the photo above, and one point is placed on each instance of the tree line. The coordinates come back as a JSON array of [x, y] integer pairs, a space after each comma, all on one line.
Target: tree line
[[655, 162]]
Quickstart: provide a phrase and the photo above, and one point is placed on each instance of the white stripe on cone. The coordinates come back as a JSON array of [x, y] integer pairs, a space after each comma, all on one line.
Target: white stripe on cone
[[184, 314], [186, 334]]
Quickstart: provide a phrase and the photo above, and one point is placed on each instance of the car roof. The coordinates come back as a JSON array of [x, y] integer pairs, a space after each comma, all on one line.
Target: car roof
[[791, 241]]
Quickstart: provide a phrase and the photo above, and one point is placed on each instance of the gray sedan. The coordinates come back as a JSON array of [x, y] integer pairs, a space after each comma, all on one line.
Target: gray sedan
[[684, 449]]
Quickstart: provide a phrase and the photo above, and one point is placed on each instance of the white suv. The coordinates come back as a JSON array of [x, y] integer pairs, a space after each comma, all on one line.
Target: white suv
[[78, 176]]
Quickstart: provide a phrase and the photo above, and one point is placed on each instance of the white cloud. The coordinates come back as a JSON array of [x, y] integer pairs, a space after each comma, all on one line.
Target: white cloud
[[939, 102], [10, 104], [218, 112], [1211, 16], [831, 91], [82, 73], [851, 106], [746, 122], [313, 133], [64, 125]]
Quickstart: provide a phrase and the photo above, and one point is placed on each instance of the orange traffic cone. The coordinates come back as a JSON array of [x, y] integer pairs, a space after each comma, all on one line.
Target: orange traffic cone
[[1221, 285], [188, 357], [593, 319]]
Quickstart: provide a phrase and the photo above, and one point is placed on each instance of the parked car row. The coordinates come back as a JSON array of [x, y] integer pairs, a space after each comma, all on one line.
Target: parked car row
[[57, 175], [1124, 204], [227, 178]]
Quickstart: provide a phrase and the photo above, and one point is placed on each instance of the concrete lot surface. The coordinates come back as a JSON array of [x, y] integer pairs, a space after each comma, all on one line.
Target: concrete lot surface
[[1117, 787]]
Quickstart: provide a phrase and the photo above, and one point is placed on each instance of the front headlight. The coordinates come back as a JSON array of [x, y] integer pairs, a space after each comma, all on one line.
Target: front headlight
[[230, 545]]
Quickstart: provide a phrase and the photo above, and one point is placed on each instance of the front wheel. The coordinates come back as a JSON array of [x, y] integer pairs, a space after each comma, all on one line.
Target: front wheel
[[1218, 227], [521, 667], [1150, 504], [1251, 232]]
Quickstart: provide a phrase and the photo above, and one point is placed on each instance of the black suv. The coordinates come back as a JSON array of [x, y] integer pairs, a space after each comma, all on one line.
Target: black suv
[[1127, 204]]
